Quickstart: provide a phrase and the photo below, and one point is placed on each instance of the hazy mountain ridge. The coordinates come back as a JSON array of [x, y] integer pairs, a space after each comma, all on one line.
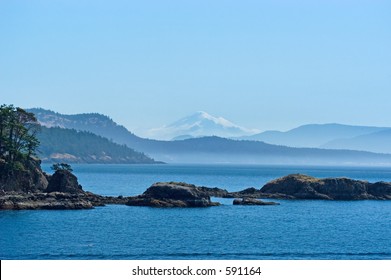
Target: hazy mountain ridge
[[221, 150], [377, 142], [314, 135]]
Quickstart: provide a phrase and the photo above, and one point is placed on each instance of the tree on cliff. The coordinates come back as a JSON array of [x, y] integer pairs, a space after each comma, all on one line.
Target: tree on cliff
[[61, 166], [18, 129]]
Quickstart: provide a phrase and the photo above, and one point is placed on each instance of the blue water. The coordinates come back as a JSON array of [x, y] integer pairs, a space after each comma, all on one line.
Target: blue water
[[292, 230]]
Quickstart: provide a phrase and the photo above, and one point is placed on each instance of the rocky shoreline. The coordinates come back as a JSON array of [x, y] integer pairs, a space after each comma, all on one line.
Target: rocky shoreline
[[63, 192], [60, 191], [55, 201]]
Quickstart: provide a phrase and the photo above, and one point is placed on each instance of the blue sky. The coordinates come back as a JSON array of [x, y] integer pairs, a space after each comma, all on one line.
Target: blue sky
[[261, 64]]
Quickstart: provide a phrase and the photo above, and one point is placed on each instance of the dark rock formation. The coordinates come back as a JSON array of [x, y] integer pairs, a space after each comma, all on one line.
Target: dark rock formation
[[246, 193], [24, 178], [300, 186], [28, 188], [64, 181], [34, 201], [380, 190], [172, 195], [216, 192], [252, 201], [55, 201], [25, 186]]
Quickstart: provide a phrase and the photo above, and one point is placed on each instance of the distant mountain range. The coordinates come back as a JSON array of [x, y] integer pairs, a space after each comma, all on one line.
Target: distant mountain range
[[328, 136], [335, 136], [208, 149], [198, 125]]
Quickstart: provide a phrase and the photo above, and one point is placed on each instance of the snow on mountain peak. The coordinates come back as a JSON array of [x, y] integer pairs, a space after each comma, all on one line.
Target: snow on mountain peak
[[200, 124], [201, 115]]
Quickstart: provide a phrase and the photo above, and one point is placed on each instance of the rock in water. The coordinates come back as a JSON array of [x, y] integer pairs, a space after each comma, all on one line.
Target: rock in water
[[246, 193], [298, 186], [252, 201], [64, 181], [172, 195]]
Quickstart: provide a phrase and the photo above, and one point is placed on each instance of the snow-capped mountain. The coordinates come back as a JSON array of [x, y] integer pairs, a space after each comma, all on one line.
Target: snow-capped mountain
[[198, 125]]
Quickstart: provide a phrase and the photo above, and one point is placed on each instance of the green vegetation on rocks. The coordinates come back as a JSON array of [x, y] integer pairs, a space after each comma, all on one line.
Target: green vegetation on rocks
[[19, 169]]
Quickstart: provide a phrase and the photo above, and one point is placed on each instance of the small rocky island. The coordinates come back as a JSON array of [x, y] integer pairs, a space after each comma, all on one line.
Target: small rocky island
[[298, 186], [172, 194]]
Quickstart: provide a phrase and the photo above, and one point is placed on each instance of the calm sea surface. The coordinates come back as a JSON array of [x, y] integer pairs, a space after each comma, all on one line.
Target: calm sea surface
[[292, 230]]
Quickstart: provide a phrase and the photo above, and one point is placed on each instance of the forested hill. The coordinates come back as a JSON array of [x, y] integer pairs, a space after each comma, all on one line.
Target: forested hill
[[93, 122], [69, 145]]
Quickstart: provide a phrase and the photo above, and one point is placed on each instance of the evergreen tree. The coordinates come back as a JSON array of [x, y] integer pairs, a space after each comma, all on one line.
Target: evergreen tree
[[61, 166], [18, 130]]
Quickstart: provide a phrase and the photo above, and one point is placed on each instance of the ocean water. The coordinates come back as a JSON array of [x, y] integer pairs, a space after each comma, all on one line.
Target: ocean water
[[292, 230]]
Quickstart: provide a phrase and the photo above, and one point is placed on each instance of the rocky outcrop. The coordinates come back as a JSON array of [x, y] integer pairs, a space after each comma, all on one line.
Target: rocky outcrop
[[27, 177], [23, 185], [172, 195], [252, 201], [216, 192], [64, 181], [298, 186], [33, 190], [56, 201], [52, 201], [246, 193]]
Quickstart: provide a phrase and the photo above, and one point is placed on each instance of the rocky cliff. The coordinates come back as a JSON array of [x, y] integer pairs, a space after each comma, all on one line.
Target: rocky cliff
[[27, 177]]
